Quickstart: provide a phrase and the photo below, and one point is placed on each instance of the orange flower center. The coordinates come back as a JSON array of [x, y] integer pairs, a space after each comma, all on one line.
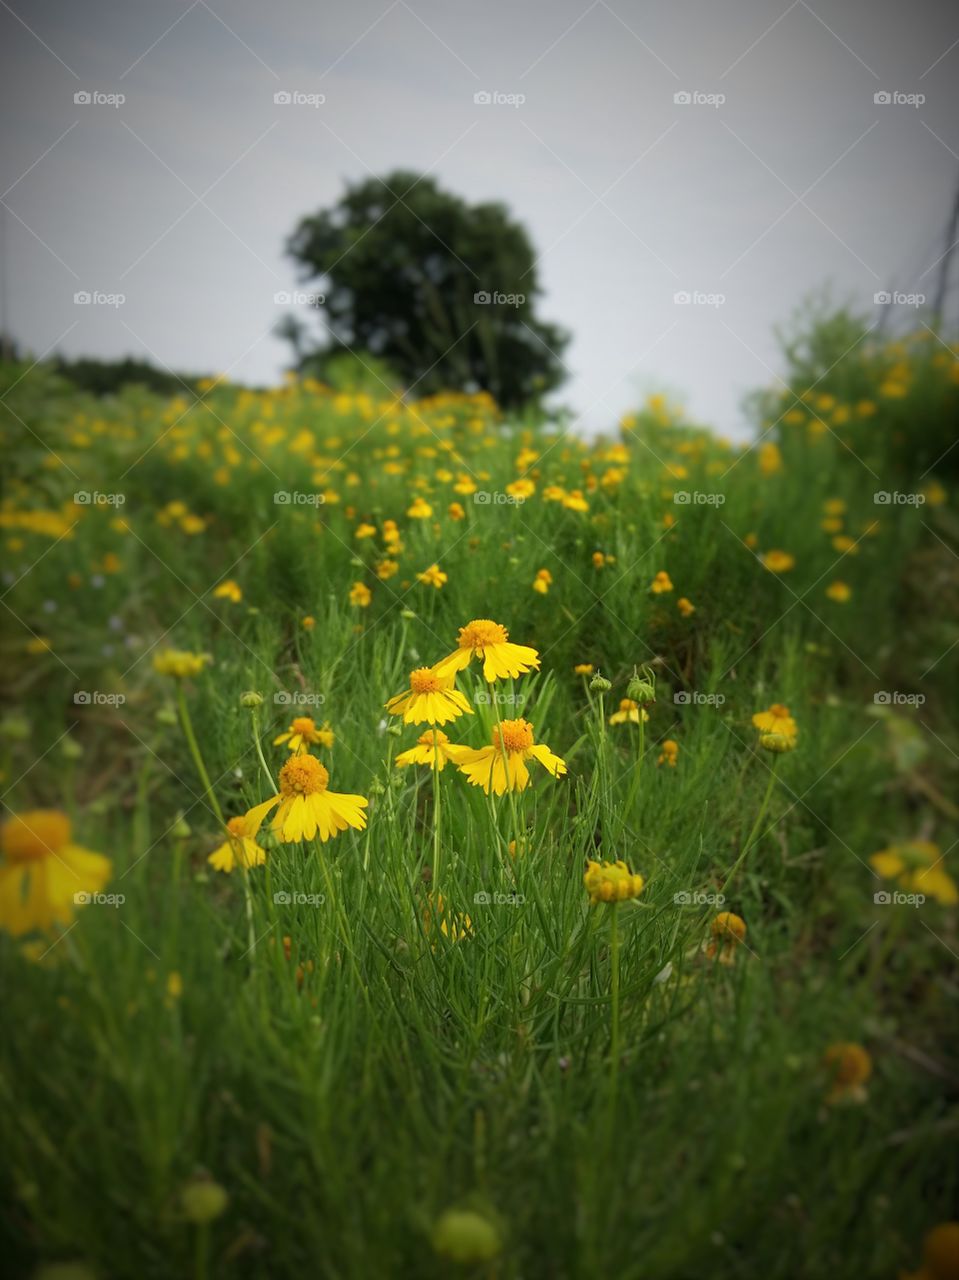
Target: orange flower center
[[237, 827], [33, 835], [432, 738], [480, 633], [303, 776], [424, 680], [779, 712], [304, 725], [514, 735]]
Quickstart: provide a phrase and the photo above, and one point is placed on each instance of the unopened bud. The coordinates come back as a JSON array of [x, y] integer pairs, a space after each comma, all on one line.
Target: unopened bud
[[251, 699], [599, 684]]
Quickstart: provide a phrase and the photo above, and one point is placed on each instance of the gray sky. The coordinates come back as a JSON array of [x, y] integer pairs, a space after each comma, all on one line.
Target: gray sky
[[181, 198]]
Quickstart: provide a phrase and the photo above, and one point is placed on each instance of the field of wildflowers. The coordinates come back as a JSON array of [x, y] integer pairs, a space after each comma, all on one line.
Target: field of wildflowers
[[438, 844]]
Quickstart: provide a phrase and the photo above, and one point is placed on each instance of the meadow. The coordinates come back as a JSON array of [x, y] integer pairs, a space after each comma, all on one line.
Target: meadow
[[674, 996]]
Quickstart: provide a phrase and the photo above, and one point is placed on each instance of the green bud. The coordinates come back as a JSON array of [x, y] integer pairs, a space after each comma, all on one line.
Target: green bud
[[166, 715], [394, 730], [376, 788], [71, 749], [463, 1235], [642, 688], [203, 1200], [599, 684], [408, 614], [15, 728], [251, 699], [180, 829]]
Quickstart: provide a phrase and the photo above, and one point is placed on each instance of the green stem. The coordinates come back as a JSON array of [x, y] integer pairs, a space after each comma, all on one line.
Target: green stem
[[755, 828], [187, 725], [437, 848], [259, 751], [614, 993]]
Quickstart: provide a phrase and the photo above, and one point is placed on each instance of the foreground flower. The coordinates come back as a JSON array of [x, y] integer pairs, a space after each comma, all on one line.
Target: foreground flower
[[629, 710], [306, 807], [661, 583], [776, 719], [850, 1066], [430, 699], [238, 849], [916, 866], [433, 748], [940, 1254], [489, 642], [302, 734], [502, 765], [179, 663], [611, 882], [43, 874], [728, 932]]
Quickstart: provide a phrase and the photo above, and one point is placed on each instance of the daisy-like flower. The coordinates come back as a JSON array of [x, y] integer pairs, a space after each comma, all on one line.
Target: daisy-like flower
[[850, 1066], [629, 710], [611, 882], [583, 669], [489, 642], [430, 699], [543, 581], [303, 734], [661, 583], [360, 595], [43, 874], [685, 607], [433, 577], [420, 509], [432, 748], [776, 720], [728, 931], [668, 752], [778, 561], [228, 590], [502, 765], [179, 663], [841, 592], [916, 866], [306, 807], [238, 849]]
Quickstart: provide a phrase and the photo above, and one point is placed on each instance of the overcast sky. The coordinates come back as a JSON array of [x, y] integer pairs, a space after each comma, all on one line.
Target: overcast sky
[[181, 197]]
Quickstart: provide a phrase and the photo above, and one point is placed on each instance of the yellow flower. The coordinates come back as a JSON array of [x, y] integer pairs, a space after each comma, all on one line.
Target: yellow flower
[[502, 766], [776, 719], [611, 882], [629, 710], [846, 545], [915, 865], [303, 734], [433, 577], [849, 1066], [685, 607], [489, 642], [433, 748], [940, 1254], [386, 569], [455, 511], [179, 663], [839, 591], [778, 561], [228, 590], [583, 669], [728, 931], [364, 531], [661, 583], [770, 459], [454, 925], [360, 595], [574, 501], [669, 753], [237, 849], [308, 623], [43, 874], [430, 699], [420, 509], [542, 581], [306, 807], [523, 488]]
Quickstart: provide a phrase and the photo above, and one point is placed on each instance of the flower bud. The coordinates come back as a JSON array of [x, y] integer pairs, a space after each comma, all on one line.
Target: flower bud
[[251, 699], [71, 749], [463, 1235], [180, 829], [599, 684], [166, 715], [203, 1200], [394, 730], [642, 688]]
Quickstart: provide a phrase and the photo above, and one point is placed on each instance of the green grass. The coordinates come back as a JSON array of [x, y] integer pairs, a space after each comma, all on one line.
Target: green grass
[[347, 1094]]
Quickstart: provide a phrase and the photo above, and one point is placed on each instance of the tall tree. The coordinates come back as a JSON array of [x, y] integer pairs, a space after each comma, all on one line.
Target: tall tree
[[442, 290]]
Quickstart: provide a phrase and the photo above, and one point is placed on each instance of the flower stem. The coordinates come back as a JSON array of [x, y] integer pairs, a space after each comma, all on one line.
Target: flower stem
[[755, 828], [187, 725], [259, 750], [437, 789], [614, 994]]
